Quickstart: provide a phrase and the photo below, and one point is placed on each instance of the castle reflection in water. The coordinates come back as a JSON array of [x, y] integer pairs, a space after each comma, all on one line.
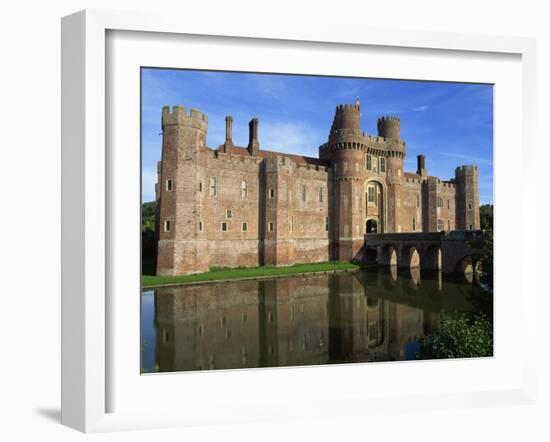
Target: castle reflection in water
[[318, 319]]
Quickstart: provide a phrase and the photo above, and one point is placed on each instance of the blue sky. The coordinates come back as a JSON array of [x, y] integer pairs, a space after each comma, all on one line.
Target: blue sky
[[450, 123]]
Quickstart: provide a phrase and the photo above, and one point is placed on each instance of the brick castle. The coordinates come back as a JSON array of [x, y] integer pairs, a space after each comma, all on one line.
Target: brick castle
[[245, 206]]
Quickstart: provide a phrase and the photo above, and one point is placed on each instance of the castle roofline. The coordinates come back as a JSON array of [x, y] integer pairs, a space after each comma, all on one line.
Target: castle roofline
[[300, 159]]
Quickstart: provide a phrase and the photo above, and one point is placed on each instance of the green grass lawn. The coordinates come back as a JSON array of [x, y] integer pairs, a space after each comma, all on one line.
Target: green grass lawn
[[216, 274]]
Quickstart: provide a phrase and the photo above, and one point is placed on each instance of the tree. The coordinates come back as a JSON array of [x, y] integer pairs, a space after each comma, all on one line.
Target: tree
[[486, 216], [148, 216]]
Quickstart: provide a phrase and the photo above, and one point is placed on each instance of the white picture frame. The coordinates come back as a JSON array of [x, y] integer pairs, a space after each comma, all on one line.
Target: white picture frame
[[87, 356]]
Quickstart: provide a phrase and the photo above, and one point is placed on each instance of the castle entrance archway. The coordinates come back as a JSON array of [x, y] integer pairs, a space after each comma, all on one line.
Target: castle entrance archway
[[372, 226]]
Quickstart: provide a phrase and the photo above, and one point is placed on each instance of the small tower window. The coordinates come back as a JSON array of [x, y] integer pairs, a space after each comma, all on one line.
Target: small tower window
[[245, 227], [229, 214], [470, 205], [326, 223], [169, 185], [369, 162], [448, 204], [417, 200], [244, 189], [225, 227], [200, 186], [201, 226], [449, 225], [270, 227], [440, 225], [320, 194], [167, 225], [382, 165], [303, 192], [414, 223], [213, 186], [439, 201], [271, 193], [471, 227], [375, 164]]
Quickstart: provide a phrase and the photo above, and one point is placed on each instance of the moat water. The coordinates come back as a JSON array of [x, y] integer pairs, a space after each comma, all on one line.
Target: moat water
[[319, 319]]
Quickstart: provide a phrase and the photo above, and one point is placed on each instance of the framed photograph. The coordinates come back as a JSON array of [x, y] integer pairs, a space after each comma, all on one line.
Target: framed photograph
[[271, 223]]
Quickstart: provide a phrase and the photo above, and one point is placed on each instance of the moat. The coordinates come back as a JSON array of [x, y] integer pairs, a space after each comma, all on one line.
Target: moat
[[362, 316]]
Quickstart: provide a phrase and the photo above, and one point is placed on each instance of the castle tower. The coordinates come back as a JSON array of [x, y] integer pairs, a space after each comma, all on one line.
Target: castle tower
[[389, 128], [182, 177], [467, 198], [345, 150]]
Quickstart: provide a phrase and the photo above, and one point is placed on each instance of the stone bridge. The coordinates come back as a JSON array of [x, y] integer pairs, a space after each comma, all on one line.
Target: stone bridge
[[456, 251]]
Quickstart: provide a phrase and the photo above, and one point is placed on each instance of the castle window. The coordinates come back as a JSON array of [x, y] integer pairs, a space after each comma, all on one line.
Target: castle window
[[449, 225], [440, 225], [375, 164], [169, 185], [369, 162], [448, 204], [303, 192], [345, 201], [414, 223], [201, 227], [321, 194], [345, 166], [335, 166], [244, 189], [439, 201], [213, 186], [167, 225], [326, 223], [418, 200], [229, 214], [370, 194], [356, 167], [225, 227], [470, 205], [245, 227], [382, 165], [200, 186], [471, 227], [270, 227], [271, 193]]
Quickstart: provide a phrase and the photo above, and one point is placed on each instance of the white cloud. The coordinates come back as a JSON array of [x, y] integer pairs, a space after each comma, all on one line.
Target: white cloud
[[290, 137], [421, 108], [471, 158]]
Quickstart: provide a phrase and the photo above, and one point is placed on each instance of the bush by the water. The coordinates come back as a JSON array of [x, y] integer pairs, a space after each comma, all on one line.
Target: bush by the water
[[460, 335]]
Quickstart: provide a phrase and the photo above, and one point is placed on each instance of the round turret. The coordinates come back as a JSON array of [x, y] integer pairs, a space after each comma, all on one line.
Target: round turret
[[389, 127], [347, 116]]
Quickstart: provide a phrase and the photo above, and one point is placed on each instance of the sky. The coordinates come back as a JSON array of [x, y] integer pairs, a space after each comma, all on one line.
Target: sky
[[450, 123]]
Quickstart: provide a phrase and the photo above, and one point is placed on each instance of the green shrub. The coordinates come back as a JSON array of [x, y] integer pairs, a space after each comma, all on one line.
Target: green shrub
[[460, 335]]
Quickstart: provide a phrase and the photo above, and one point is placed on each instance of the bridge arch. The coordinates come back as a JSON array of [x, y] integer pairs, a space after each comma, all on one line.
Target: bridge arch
[[410, 256], [388, 255], [432, 258]]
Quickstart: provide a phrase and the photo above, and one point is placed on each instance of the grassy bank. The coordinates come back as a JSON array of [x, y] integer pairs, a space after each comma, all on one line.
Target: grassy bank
[[219, 274]]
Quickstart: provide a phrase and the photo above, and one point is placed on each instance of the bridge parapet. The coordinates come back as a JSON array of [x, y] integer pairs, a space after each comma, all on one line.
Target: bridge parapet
[[444, 250]]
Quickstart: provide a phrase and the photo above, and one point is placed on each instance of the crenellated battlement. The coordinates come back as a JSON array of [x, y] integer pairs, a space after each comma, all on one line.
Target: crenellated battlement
[[178, 116], [389, 127], [466, 169]]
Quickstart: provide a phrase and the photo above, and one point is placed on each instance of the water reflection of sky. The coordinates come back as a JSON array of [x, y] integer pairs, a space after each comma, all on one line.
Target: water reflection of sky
[[148, 329]]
